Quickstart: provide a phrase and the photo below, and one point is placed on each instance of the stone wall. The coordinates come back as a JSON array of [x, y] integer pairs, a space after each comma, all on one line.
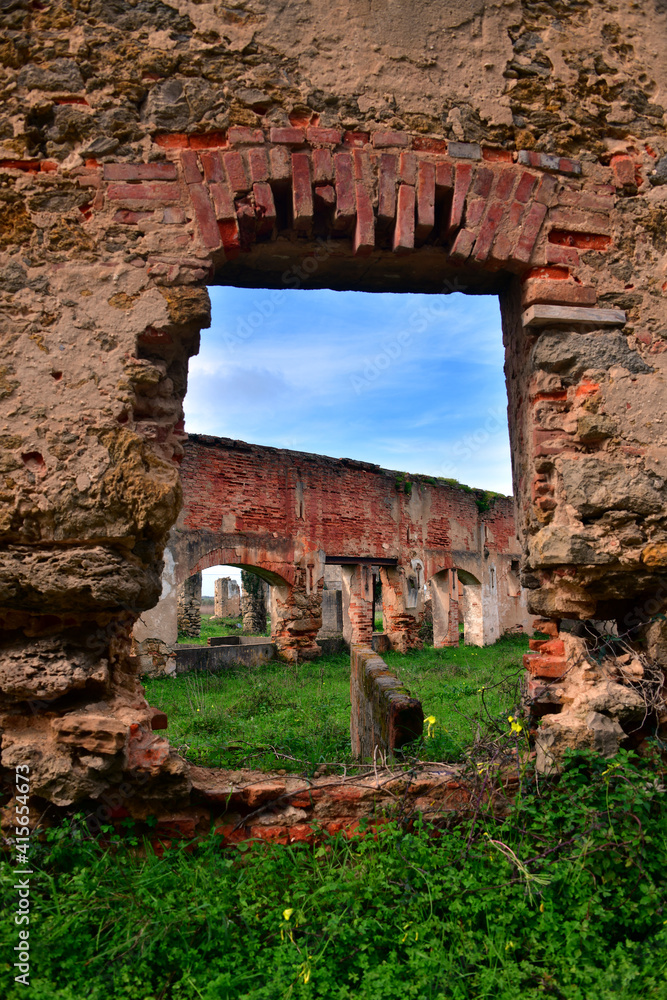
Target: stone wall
[[189, 606], [294, 515], [227, 597], [503, 146], [384, 717]]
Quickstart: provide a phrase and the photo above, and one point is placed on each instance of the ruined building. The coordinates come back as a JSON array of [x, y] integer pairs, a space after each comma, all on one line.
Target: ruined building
[[149, 149], [293, 518]]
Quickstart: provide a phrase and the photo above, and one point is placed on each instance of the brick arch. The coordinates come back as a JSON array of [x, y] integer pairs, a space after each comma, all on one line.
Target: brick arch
[[271, 566], [489, 209]]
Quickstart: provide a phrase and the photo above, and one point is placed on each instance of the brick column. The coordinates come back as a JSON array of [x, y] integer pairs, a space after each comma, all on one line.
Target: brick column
[[402, 608], [296, 618], [357, 604]]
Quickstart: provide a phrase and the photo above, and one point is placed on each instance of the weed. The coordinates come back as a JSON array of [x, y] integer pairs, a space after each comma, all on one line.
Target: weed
[[562, 897]]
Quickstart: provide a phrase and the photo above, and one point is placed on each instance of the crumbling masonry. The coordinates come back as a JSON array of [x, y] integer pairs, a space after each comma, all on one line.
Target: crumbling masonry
[[147, 149], [289, 516]]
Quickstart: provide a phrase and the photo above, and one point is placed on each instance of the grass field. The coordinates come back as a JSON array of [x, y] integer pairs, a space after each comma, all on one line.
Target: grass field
[[562, 898], [297, 717], [212, 626]]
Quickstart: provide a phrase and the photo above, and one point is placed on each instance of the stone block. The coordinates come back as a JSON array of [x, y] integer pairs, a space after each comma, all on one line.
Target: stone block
[[546, 315]]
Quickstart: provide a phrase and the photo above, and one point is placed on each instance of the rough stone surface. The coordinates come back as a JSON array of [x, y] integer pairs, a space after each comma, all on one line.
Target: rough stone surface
[[103, 295]]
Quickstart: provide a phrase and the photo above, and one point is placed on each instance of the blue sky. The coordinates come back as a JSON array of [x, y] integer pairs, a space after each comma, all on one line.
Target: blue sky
[[410, 382]]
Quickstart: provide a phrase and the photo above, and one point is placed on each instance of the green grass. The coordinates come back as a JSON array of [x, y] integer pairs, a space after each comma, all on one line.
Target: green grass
[[212, 627], [297, 717], [468, 689], [401, 914]]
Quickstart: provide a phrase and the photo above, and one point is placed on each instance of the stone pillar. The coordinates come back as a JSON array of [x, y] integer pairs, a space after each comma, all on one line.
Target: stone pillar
[[189, 606], [583, 395], [155, 633], [444, 597], [332, 614], [296, 618], [357, 604], [94, 462], [227, 598], [253, 603]]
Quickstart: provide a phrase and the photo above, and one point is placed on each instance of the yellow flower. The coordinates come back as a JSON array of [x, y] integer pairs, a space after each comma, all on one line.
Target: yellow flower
[[287, 914], [431, 723]]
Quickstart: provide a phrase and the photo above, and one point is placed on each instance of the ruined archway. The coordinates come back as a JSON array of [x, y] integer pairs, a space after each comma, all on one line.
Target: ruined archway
[[107, 251]]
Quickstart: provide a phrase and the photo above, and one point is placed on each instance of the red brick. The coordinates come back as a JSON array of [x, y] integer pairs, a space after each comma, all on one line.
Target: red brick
[[586, 388], [266, 209], [529, 232], [140, 172], [568, 166], [483, 182], [223, 201], [281, 164], [229, 234], [171, 140], [525, 187], [387, 188], [382, 140], [404, 233], [212, 165], [158, 719], [545, 666], [444, 175], [425, 200], [504, 184], [463, 178], [236, 172], [488, 230], [555, 254], [357, 139], [580, 241], [557, 273], [345, 191], [546, 626], [288, 136], [361, 166], [190, 165], [329, 136], [128, 218], [462, 246], [258, 163], [541, 290], [323, 171], [326, 195], [495, 155], [407, 169], [501, 248], [302, 191], [239, 135], [207, 140], [475, 208], [548, 647], [206, 220], [364, 236], [425, 144], [151, 191], [623, 171]]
